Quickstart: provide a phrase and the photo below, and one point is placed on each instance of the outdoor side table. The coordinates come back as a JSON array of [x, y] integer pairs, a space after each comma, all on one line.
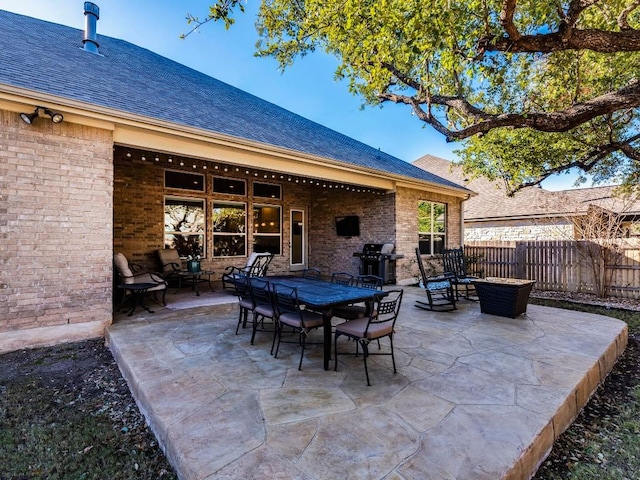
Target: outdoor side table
[[196, 278], [506, 297], [137, 293]]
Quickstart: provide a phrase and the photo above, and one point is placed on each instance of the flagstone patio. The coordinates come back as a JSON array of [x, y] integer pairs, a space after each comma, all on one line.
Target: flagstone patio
[[476, 396]]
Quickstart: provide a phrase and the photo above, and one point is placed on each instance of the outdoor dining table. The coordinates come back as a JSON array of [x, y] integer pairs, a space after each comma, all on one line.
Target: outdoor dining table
[[323, 296]]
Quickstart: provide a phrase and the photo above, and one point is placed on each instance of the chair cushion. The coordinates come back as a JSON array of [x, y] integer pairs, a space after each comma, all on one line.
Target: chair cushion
[[168, 256], [311, 319], [356, 328], [150, 278], [264, 310], [122, 265], [246, 303]]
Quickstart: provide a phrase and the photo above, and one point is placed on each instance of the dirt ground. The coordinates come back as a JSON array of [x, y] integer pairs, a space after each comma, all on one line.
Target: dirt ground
[[66, 412]]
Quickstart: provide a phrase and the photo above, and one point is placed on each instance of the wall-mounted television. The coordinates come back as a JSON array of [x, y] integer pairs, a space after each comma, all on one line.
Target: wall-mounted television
[[348, 226]]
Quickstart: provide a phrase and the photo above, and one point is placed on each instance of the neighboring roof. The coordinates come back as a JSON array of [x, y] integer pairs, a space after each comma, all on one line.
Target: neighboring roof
[[46, 57], [492, 201]]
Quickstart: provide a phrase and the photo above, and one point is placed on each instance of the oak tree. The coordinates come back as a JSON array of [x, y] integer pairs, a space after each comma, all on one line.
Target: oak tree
[[529, 87]]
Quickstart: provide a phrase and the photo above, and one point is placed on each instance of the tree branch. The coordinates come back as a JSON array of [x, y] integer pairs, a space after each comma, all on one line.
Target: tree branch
[[558, 121], [596, 40], [506, 20], [623, 18], [587, 162]]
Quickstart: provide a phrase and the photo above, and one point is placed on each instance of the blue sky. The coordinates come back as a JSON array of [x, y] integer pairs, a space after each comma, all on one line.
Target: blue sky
[[307, 88]]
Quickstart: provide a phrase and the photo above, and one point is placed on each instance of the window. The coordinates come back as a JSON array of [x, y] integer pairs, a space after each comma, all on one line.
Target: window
[[229, 186], [184, 225], [432, 221], [229, 229], [267, 190], [267, 229], [183, 180]]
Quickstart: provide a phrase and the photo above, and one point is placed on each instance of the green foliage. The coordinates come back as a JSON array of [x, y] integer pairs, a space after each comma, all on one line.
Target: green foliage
[[461, 70]]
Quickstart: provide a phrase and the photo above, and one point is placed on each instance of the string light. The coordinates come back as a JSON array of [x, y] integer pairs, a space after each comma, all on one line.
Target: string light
[[263, 174]]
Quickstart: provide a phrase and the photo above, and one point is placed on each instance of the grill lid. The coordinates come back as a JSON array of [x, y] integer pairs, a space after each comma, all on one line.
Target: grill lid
[[372, 248]]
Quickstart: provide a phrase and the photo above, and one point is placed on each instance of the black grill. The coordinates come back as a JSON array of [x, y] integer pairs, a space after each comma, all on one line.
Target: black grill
[[374, 262]]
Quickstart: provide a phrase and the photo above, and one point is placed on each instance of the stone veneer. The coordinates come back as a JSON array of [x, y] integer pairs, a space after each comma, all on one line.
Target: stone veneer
[[515, 230], [56, 228]]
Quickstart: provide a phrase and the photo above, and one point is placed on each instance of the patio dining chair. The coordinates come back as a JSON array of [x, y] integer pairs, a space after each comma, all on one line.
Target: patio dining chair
[[312, 273], [290, 313], [441, 295], [380, 324], [256, 266], [262, 306], [359, 310], [245, 302], [342, 278]]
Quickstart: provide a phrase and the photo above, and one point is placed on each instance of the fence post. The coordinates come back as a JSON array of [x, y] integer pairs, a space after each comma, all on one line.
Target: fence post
[[520, 260]]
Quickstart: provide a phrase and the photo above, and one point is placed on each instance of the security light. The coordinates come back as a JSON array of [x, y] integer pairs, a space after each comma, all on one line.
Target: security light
[[28, 118]]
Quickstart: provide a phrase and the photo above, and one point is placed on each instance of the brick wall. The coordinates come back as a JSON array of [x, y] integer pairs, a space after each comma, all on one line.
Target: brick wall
[[331, 253], [56, 225], [139, 209], [384, 218], [407, 221], [139, 222]]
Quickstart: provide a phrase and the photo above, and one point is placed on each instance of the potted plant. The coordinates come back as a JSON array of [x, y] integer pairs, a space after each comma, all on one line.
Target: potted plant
[[193, 260]]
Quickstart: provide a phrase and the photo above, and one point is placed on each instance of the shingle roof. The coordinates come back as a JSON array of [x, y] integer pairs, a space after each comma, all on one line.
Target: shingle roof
[[48, 58], [492, 201]]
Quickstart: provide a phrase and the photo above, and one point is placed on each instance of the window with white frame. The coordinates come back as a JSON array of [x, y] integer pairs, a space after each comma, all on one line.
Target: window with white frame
[[267, 228], [229, 225], [184, 225], [432, 227]]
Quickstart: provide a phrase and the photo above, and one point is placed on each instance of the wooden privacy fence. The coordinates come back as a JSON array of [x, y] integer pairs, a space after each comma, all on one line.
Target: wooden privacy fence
[[558, 265]]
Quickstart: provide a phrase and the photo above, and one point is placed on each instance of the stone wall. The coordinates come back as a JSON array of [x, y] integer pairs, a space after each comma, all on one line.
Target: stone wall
[[514, 230], [56, 202]]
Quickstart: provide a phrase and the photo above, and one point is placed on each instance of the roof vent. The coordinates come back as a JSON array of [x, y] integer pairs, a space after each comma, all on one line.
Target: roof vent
[[92, 14]]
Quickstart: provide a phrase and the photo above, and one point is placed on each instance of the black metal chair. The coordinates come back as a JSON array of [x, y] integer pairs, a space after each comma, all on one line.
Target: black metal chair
[[312, 273], [439, 290], [290, 313], [455, 265], [263, 306], [351, 312], [378, 325], [342, 278], [245, 302], [257, 266]]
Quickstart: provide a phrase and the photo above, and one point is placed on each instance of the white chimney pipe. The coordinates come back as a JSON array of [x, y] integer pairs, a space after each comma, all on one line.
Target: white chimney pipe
[[92, 14]]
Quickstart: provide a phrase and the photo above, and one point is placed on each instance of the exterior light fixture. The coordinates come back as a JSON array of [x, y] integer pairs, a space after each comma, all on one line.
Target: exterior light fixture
[[29, 118], [55, 116]]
